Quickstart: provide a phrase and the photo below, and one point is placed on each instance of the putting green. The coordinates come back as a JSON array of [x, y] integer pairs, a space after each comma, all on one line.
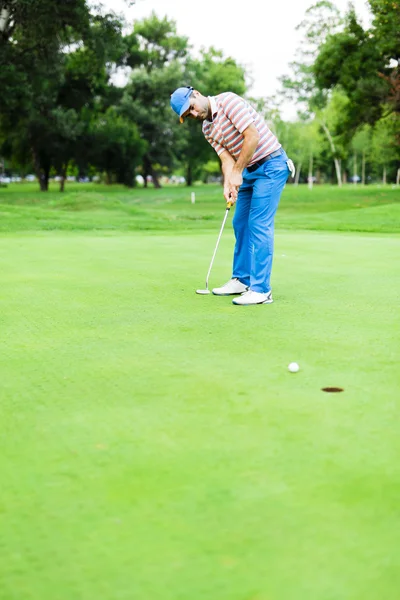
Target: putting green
[[155, 445]]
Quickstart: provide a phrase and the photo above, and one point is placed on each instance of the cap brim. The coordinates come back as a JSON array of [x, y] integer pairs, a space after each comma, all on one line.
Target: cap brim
[[184, 109]]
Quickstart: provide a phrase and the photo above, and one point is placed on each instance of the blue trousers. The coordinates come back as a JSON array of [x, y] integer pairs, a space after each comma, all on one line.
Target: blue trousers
[[253, 223]]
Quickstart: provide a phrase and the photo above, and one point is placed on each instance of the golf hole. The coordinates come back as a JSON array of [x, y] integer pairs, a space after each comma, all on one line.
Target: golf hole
[[332, 389]]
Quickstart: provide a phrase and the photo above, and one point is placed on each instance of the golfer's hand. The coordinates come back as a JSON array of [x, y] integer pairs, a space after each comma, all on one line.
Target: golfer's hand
[[234, 182], [230, 194], [227, 194]]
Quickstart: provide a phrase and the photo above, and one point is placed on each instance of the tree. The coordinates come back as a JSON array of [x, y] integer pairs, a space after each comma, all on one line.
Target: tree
[[156, 53], [50, 85], [85, 90], [40, 21], [385, 28], [30, 33], [365, 64], [322, 19], [303, 145], [361, 146], [154, 43], [213, 73], [146, 102], [117, 147], [350, 60], [385, 153]]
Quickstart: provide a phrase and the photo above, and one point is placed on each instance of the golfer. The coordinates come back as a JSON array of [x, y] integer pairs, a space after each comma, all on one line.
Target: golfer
[[255, 169]]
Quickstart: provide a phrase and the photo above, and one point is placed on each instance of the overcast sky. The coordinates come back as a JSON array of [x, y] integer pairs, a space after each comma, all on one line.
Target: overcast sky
[[262, 38]]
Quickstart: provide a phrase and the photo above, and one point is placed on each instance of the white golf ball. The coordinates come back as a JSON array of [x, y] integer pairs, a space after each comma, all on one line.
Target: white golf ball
[[293, 367]]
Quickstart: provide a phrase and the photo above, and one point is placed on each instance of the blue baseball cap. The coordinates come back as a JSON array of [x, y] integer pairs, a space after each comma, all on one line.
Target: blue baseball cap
[[180, 100]]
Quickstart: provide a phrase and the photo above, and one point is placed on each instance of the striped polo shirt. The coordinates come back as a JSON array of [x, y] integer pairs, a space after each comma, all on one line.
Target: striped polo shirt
[[231, 115]]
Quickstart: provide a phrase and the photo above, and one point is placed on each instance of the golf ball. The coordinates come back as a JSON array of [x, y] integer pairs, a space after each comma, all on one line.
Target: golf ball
[[293, 367]]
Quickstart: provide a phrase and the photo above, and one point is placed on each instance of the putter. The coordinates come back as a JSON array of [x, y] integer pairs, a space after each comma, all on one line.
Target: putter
[[206, 290]]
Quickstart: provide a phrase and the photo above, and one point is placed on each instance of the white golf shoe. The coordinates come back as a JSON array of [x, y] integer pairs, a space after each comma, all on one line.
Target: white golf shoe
[[251, 297], [233, 286]]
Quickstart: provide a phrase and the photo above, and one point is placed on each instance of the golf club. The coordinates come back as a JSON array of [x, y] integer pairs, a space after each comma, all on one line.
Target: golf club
[[206, 290]]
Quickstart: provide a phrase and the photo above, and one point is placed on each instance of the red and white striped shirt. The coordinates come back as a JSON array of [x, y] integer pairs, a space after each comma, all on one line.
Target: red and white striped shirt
[[231, 116]]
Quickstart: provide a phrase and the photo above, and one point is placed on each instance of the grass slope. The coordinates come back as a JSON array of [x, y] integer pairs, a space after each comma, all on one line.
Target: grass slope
[[88, 207]]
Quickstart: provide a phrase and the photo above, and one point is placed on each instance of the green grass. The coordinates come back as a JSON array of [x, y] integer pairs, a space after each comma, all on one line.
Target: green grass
[[99, 207], [154, 444]]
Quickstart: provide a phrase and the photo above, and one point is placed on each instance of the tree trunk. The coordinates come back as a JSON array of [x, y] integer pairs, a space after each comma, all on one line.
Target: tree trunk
[[363, 168], [355, 168], [144, 174], [156, 181], [297, 176], [335, 160], [310, 173], [148, 170], [189, 175], [44, 184], [384, 176], [398, 177], [42, 172], [338, 173], [63, 176]]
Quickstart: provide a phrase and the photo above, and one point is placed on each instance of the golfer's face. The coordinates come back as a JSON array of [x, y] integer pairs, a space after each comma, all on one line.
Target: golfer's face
[[198, 108]]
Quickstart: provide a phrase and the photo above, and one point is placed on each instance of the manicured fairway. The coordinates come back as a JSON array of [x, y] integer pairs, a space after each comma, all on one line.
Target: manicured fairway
[[154, 445]]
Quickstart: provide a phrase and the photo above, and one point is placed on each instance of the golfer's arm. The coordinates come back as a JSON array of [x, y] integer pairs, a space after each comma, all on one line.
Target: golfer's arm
[[250, 143], [227, 163]]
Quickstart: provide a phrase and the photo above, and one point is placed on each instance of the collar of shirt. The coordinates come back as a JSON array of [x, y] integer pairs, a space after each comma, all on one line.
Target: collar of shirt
[[214, 108]]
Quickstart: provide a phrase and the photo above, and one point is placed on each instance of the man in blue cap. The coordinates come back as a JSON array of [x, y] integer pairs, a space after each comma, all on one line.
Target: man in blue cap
[[255, 169]]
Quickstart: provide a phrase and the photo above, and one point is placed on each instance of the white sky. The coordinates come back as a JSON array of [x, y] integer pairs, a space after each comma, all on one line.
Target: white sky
[[259, 35]]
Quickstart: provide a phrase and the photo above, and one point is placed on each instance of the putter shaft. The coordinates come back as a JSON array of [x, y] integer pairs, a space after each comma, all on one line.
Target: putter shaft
[[228, 207]]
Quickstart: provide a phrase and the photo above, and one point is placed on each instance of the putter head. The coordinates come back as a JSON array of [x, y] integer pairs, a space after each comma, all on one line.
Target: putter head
[[203, 292]]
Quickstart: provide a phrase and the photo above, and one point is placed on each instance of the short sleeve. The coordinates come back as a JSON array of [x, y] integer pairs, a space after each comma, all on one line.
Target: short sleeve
[[237, 111]]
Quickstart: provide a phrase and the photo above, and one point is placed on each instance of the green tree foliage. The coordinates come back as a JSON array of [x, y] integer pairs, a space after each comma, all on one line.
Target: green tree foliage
[[385, 149], [42, 19], [30, 33], [157, 53], [365, 64], [346, 77], [116, 147], [154, 43], [303, 143], [386, 27], [321, 20], [212, 73], [146, 102], [161, 62], [351, 60], [361, 149], [53, 84], [85, 89]]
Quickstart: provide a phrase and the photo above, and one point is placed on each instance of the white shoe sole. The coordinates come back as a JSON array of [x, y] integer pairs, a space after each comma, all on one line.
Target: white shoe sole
[[270, 301], [229, 294]]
